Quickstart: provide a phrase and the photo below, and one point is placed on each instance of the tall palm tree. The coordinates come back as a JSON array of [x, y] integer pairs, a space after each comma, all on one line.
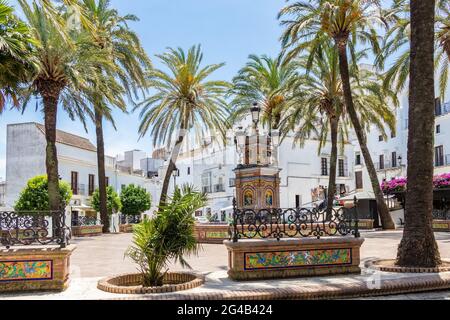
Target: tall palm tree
[[16, 59], [113, 36], [65, 66], [398, 38], [418, 247], [184, 100], [319, 110], [270, 82], [346, 22]]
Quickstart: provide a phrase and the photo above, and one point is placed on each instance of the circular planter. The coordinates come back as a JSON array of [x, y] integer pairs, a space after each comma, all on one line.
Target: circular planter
[[389, 266], [130, 283]]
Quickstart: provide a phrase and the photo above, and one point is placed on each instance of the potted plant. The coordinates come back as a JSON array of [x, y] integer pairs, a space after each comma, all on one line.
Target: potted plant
[[168, 236]]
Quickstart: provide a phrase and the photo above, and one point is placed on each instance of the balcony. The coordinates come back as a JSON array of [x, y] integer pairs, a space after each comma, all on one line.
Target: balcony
[[444, 161], [387, 165], [219, 188]]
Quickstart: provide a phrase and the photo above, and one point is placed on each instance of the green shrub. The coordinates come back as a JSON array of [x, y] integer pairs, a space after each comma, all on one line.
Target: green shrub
[[34, 197], [113, 204], [135, 200], [169, 235]]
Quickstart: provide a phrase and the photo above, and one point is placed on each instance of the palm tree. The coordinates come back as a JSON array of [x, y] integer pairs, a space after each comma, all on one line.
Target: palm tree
[[16, 59], [319, 109], [270, 82], [65, 66], [418, 247], [397, 39], [184, 100], [113, 36], [345, 22], [169, 236]]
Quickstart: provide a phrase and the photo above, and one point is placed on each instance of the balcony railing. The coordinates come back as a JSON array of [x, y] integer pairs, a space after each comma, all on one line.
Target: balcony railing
[[387, 165], [445, 161], [219, 188]]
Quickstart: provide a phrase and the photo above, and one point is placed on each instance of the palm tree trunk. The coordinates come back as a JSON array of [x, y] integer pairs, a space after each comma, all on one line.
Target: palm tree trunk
[[386, 219], [50, 94], [418, 247], [333, 161], [104, 217], [171, 167]]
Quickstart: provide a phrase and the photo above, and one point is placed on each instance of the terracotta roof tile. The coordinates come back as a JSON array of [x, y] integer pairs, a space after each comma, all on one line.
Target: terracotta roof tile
[[70, 139]]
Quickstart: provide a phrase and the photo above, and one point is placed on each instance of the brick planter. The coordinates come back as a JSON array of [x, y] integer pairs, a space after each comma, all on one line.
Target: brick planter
[[87, 231], [441, 225], [126, 228], [129, 283], [271, 259], [389, 266], [211, 233], [35, 269]]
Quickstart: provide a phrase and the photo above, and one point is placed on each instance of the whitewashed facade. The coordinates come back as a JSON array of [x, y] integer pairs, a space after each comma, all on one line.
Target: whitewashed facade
[[77, 161]]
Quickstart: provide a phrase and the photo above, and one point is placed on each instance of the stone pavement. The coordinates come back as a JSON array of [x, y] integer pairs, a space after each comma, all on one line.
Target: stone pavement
[[99, 257]]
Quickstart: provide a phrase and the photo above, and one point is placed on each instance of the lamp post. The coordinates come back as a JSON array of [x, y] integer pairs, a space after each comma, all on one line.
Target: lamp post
[[256, 111]]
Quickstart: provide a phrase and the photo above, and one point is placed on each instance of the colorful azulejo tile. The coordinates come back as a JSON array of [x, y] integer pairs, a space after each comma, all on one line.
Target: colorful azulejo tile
[[26, 270], [297, 259], [217, 235]]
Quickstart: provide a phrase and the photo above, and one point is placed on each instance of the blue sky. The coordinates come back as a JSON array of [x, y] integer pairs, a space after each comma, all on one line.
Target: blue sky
[[228, 30]]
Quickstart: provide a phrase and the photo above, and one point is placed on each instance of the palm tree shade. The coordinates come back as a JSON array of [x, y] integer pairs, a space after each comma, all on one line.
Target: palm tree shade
[[66, 65], [113, 36], [184, 101], [346, 22], [418, 247]]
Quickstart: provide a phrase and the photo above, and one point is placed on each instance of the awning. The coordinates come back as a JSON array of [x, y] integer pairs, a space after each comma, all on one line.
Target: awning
[[361, 195]]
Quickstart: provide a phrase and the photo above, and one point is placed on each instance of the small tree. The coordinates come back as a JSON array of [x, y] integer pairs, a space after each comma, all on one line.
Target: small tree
[[112, 201], [135, 200], [34, 197], [170, 235]]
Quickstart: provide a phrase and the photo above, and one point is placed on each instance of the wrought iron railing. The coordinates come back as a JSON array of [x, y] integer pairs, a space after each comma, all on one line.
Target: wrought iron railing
[[33, 228], [441, 214], [83, 221], [129, 219], [294, 223]]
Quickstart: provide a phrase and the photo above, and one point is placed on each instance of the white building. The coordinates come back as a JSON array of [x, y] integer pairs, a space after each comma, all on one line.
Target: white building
[[304, 175], [2, 192], [77, 164], [390, 155]]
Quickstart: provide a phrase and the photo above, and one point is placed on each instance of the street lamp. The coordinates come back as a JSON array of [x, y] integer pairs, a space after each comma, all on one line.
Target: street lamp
[[400, 160], [255, 110]]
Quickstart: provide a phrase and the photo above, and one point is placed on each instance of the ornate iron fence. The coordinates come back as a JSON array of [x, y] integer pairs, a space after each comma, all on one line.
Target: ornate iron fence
[[294, 223], [129, 219], [33, 228], [82, 221]]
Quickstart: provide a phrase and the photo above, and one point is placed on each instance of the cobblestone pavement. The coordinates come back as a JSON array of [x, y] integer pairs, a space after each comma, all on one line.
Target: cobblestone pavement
[[103, 256]]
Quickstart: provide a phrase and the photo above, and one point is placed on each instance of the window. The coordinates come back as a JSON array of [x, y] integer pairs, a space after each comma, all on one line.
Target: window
[[206, 182], [437, 107], [358, 159], [394, 159], [107, 181], [74, 182], [324, 166], [297, 201], [359, 179], [380, 138], [438, 129], [341, 167], [381, 162], [91, 184], [342, 189], [393, 135], [439, 156], [189, 171]]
